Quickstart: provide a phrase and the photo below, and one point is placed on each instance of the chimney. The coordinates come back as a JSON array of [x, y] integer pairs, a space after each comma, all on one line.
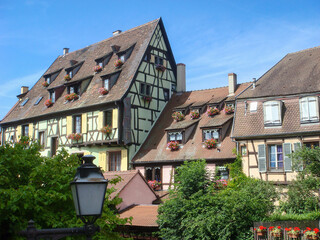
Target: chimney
[[232, 78], [181, 77], [65, 51], [254, 80], [116, 32], [24, 89]]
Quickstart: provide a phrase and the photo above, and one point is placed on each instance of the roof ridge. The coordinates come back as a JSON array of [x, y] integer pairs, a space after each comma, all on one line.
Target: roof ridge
[[304, 50], [213, 88], [104, 40]]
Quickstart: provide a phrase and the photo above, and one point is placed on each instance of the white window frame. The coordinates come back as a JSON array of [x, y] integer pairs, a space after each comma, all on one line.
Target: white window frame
[[178, 136], [211, 132], [309, 118], [277, 160], [268, 120]]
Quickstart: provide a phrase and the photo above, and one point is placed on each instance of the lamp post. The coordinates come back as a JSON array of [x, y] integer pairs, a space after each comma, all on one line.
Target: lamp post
[[88, 191]]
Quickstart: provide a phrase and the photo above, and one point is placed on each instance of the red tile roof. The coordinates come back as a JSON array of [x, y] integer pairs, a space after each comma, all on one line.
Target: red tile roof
[[143, 215]]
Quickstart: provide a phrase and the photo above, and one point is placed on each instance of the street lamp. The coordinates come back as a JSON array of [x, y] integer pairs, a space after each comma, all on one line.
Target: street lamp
[[88, 190]]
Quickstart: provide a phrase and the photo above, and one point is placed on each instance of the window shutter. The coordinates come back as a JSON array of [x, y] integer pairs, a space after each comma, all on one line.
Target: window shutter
[[126, 120], [69, 125], [18, 132], [164, 63], [100, 120], [31, 130], [262, 158], [287, 159], [103, 160], [115, 118], [124, 160], [152, 60], [296, 147], [84, 123]]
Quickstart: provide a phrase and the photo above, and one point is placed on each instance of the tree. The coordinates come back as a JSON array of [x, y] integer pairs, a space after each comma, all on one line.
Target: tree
[[197, 209], [36, 187]]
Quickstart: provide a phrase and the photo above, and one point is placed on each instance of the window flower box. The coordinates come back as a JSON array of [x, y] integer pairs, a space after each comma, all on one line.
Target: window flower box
[[212, 111], [275, 231], [103, 91], [173, 145], [178, 116], [210, 143], [293, 232], [160, 67], [106, 130], [118, 63], [71, 96], [75, 136], [229, 110], [48, 103], [97, 68], [45, 84], [194, 115], [155, 185], [311, 234], [220, 184], [261, 231], [146, 98], [67, 77]]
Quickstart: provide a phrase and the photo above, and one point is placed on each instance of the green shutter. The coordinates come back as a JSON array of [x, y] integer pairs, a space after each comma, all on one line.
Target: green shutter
[[262, 158], [296, 147], [287, 158]]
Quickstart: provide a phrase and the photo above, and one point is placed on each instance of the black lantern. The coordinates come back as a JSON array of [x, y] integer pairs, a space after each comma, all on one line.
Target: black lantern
[[88, 190]]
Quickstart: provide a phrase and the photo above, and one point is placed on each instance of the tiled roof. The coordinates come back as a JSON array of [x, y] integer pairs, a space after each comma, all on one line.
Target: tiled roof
[[140, 36], [143, 215], [248, 124], [154, 147], [296, 73]]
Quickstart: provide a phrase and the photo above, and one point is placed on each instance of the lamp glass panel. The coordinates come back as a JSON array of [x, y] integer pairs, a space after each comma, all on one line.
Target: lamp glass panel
[[74, 196]]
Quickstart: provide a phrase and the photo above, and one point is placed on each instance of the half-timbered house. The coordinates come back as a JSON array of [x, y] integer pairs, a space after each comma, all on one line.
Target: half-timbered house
[[101, 100]]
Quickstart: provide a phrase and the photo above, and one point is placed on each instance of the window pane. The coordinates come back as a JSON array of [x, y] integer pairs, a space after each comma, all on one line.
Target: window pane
[[207, 135], [71, 89], [272, 151], [148, 90], [118, 157], [106, 84], [280, 156], [78, 124], [275, 113], [157, 174], [100, 64], [179, 136], [313, 109], [304, 109], [172, 137], [268, 117], [148, 173], [215, 135]]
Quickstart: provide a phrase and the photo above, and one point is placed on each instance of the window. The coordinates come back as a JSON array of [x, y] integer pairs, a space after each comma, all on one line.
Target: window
[[115, 161], [108, 118], [77, 124], [24, 102], [51, 77], [166, 94], [275, 157], [222, 172], [158, 60], [25, 130], [309, 109], [253, 106], [52, 96], [41, 138], [146, 57], [145, 89], [174, 87], [211, 134], [73, 71], [74, 89], [106, 83], [122, 58], [175, 136], [102, 62], [70, 73], [48, 79], [311, 145], [39, 99], [243, 150], [153, 173], [272, 113]]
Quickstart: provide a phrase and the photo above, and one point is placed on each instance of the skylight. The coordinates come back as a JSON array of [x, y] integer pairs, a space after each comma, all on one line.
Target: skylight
[[24, 102], [39, 99]]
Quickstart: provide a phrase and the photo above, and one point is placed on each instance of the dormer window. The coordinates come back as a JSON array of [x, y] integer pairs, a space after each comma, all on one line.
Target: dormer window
[[49, 78], [122, 58], [211, 134], [309, 109], [175, 136], [74, 89], [52, 95], [108, 81], [124, 55], [71, 72], [103, 61], [272, 113]]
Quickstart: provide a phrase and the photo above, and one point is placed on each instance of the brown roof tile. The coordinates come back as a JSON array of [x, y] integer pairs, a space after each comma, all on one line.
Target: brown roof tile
[[143, 215], [140, 36]]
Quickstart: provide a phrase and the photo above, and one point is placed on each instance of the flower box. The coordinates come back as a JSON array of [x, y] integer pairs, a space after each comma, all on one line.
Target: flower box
[[48, 103], [71, 96], [106, 130], [261, 231], [146, 98], [293, 232], [212, 111], [220, 184], [154, 184], [45, 84], [75, 136], [178, 116], [194, 115], [210, 143], [229, 110], [275, 231], [67, 77], [311, 234], [173, 145], [97, 68], [103, 91], [160, 67], [118, 63]]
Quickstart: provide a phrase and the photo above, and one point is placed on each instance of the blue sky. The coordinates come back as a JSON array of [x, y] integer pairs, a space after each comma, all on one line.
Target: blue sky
[[211, 37]]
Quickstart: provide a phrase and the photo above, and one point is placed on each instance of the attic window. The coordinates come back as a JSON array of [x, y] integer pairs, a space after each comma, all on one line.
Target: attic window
[[75, 88], [108, 81], [52, 96], [102, 62], [175, 136], [49, 78], [124, 55], [73, 70], [211, 134], [253, 106], [39, 99], [272, 113], [24, 102]]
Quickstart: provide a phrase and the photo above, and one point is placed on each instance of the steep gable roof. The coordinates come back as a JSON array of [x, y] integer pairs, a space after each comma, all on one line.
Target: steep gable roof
[[296, 73], [139, 37]]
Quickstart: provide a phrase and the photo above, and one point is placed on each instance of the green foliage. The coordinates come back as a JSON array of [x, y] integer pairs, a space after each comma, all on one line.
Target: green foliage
[[309, 158], [208, 213], [235, 168], [293, 217], [38, 188]]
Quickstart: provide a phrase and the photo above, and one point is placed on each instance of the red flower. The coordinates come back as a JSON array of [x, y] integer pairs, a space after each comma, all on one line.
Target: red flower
[[296, 229], [316, 230], [254, 229], [308, 229], [272, 227], [279, 227]]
